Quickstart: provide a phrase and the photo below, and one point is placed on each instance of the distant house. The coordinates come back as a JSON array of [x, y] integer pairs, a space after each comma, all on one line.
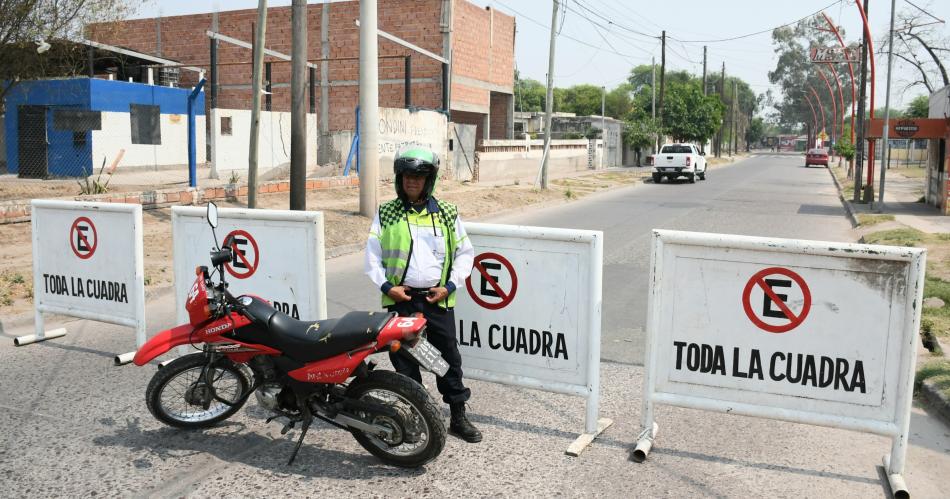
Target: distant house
[[68, 127]]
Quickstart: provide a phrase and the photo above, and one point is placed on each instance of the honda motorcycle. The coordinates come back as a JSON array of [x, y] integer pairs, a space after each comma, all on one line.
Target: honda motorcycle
[[297, 370]]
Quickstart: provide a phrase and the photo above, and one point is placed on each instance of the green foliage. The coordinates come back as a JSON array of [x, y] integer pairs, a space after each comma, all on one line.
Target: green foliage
[[896, 237], [690, 116], [620, 101], [756, 131], [582, 100], [918, 108], [845, 148], [529, 94], [97, 186]]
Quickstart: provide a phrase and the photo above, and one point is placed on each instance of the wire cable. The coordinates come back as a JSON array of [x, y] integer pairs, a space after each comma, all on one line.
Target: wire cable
[[836, 2]]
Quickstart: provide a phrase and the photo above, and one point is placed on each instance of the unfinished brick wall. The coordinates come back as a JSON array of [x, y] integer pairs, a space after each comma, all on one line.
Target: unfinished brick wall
[[500, 107], [483, 50]]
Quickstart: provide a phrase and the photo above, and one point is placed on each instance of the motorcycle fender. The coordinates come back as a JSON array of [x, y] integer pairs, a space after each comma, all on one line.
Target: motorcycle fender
[[163, 342]]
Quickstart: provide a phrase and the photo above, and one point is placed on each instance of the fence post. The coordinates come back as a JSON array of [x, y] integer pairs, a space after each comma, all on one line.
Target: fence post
[[192, 166]]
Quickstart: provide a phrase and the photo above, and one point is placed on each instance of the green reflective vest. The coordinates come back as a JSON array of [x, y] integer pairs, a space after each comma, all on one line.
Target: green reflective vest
[[396, 241]]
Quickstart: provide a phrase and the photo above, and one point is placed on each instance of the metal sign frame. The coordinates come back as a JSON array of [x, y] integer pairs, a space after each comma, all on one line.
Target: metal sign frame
[[891, 419], [589, 388], [307, 221], [135, 320]]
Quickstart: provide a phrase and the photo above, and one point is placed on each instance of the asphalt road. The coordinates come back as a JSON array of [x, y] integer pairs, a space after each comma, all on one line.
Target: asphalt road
[[75, 425]]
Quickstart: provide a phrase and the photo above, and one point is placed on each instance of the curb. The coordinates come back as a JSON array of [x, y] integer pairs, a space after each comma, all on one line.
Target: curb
[[847, 205], [935, 399]]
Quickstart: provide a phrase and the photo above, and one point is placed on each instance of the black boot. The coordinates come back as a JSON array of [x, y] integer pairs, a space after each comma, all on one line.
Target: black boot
[[461, 427]]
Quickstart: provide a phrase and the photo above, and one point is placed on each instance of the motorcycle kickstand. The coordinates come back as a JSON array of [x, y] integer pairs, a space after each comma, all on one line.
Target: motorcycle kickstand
[[307, 419]]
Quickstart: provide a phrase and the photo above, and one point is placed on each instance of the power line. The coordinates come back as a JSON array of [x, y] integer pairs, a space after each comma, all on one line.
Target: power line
[[924, 11], [547, 27], [763, 31], [609, 21], [595, 24]]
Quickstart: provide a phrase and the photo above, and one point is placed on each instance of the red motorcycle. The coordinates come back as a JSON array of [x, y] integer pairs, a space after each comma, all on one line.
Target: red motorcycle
[[298, 370]]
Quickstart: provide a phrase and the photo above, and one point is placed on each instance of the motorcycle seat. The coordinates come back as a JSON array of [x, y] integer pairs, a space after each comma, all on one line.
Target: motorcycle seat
[[307, 341]]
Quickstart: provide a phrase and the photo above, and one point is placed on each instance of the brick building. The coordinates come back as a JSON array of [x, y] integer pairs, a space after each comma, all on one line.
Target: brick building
[[480, 42]]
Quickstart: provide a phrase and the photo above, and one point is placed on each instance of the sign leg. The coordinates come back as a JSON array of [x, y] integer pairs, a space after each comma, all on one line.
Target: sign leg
[[593, 427], [648, 434], [894, 467], [40, 333]]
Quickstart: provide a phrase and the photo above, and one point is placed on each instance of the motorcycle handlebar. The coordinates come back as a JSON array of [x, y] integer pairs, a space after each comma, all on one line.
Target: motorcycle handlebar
[[221, 256]]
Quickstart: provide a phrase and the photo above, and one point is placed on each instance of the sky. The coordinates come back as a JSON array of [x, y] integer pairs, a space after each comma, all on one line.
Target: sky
[[600, 40]]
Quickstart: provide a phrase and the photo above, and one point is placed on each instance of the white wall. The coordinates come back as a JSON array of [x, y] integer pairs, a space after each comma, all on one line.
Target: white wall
[[116, 134], [523, 165], [273, 150], [939, 103], [398, 128]]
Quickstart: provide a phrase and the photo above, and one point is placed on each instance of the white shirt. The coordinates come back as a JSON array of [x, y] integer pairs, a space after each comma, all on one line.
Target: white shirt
[[428, 253]]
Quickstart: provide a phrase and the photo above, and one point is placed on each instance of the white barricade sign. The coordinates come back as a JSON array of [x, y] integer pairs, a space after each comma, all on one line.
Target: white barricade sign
[[811, 332], [87, 263], [278, 256], [529, 314]]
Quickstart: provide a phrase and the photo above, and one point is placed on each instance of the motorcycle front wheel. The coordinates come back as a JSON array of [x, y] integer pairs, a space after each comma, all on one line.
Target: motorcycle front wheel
[[418, 433], [179, 396]]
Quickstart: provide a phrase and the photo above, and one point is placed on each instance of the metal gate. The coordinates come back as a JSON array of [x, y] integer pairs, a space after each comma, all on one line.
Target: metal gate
[[32, 142]]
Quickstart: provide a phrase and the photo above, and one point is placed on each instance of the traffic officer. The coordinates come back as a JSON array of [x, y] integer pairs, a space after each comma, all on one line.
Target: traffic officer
[[418, 254]]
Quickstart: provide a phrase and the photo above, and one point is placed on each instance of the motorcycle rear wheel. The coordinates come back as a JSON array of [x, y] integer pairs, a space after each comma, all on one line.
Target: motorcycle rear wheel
[[421, 430], [173, 395]]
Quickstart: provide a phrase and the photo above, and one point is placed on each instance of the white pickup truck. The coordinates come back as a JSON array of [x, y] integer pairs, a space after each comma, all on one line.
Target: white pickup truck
[[678, 160]]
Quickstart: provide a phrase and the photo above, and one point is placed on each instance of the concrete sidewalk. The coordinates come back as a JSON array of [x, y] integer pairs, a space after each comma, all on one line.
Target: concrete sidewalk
[[902, 199]]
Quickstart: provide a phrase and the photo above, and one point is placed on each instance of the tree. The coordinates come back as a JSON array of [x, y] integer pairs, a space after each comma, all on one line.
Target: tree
[[639, 134], [918, 108], [918, 44], [582, 100], [690, 116], [49, 25], [796, 75], [529, 94], [756, 132], [620, 101]]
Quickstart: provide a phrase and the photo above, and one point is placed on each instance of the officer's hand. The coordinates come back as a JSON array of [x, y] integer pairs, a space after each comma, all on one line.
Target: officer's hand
[[398, 293], [437, 294]]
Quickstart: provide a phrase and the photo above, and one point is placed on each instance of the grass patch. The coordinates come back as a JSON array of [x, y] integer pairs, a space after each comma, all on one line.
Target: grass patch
[[938, 372], [938, 318], [896, 237], [866, 219]]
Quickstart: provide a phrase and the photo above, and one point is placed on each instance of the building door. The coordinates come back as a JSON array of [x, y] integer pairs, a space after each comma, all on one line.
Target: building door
[[32, 142]]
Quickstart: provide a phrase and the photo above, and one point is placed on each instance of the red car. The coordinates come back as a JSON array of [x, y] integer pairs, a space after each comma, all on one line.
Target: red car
[[816, 157]]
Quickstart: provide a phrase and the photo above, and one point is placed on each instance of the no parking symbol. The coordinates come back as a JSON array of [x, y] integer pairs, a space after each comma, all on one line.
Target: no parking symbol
[[245, 255], [490, 268], [83, 238], [775, 315]]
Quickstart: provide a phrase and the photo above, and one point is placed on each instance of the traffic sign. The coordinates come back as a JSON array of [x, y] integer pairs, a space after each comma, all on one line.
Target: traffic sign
[[245, 254], [788, 319], [822, 135], [83, 238], [489, 282]]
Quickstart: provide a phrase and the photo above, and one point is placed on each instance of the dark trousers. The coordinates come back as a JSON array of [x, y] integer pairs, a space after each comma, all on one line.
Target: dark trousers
[[440, 331]]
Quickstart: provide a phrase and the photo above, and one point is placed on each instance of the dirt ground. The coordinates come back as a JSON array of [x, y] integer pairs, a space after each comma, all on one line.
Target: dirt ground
[[343, 223]]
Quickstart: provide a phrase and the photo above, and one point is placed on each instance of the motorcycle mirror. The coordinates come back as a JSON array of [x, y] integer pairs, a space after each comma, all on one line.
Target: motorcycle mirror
[[212, 215]]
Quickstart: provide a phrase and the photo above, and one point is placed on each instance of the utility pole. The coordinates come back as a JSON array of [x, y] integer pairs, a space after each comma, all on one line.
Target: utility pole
[[369, 109], [859, 149], [704, 70], [256, 103], [298, 113], [886, 152], [603, 125], [703, 149], [549, 101], [722, 97], [662, 76], [735, 116], [656, 136]]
